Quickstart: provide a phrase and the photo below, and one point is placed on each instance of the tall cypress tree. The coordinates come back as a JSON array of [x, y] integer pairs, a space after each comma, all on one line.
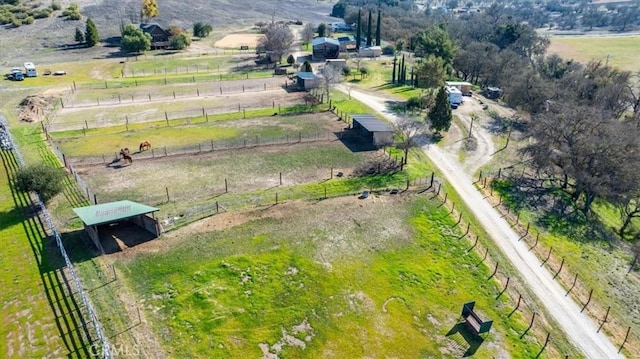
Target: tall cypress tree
[[440, 114], [359, 31], [378, 28], [393, 74], [369, 30]]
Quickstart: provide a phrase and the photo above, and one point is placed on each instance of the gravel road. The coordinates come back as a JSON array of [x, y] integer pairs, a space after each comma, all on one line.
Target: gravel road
[[579, 328]]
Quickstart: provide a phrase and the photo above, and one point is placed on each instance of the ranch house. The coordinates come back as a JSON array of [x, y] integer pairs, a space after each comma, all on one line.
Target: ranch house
[[159, 36], [372, 129], [325, 48]]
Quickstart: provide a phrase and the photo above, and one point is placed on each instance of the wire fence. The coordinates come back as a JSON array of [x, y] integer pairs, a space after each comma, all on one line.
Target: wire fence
[[112, 158], [102, 339], [213, 89], [569, 278], [172, 79]]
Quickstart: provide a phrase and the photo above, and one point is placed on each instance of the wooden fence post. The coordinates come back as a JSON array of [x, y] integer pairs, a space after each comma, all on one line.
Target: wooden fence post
[[588, 300], [226, 186], [625, 340], [575, 279], [167, 191]]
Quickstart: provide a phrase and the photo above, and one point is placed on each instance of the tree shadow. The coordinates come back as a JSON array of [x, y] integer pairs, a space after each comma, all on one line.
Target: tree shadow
[[59, 289], [470, 339]]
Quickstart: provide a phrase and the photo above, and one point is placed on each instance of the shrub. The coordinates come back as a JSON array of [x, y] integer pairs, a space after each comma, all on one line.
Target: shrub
[[28, 20], [55, 6], [16, 22], [180, 41], [74, 16], [388, 50], [42, 179], [42, 13]]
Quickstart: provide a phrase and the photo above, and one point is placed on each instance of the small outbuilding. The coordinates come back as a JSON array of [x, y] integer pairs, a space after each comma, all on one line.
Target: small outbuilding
[[325, 48], [307, 80], [372, 128], [100, 215], [492, 92], [464, 87], [347, 43], [371, 51]]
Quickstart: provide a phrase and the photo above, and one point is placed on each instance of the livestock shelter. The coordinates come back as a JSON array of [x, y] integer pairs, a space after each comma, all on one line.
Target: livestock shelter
[[463, 86], [99, 217], [325, 48], [307, 80], [159, 36], [371, 128]]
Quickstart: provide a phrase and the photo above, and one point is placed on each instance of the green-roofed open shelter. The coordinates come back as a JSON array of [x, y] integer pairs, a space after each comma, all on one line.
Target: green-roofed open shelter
[[107, 213]]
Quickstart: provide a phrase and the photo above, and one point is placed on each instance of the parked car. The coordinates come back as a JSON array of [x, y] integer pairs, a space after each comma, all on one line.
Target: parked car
[[364, 195], [15, 75]]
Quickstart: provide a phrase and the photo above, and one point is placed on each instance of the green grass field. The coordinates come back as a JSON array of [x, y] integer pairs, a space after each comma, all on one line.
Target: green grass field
[[40, 317], [620, 51], [380, 279]]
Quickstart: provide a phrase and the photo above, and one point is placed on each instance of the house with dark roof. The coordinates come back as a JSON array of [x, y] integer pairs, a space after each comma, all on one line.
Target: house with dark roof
[[159, 36], [325, 48]]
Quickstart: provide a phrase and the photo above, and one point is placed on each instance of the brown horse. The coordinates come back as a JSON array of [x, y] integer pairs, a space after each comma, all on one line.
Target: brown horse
[[124, 152], [144, 146]]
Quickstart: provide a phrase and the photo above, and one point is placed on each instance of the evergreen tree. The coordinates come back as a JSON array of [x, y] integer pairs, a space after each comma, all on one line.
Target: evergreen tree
[[378, 28], [369, 30], [306, 67], [359, 31], [79, 36], [440, 114], [322, 30], [91, 33], [291, 60], [393, 74], [339, 9]]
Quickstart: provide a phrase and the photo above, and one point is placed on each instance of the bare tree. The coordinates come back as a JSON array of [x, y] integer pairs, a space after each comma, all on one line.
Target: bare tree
[[330, 77], [307, 34], [277, 39], [408, 130]]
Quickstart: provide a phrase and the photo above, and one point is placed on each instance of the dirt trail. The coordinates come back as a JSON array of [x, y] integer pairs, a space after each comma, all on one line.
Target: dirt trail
[[579, 328]]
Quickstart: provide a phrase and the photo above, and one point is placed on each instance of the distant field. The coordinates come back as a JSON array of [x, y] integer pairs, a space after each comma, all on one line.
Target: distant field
[[619, 51]]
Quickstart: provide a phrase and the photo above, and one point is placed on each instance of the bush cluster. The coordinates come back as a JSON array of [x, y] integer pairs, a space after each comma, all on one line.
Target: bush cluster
[[15, 13]]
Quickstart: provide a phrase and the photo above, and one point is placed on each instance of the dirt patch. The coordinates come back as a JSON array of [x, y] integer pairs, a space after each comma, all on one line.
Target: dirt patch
[[34, 108], [235, 41]]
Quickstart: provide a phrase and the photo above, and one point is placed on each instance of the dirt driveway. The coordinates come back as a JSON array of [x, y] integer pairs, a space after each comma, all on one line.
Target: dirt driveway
[[579, 328]]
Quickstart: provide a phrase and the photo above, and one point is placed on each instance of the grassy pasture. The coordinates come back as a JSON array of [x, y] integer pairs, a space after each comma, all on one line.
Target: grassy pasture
[[106, 140], [40, 317], [381, 277], [620, 51]]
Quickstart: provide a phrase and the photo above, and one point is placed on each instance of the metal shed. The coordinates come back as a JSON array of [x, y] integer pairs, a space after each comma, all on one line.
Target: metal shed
[[372, 128], [306, 80], [112, 212]]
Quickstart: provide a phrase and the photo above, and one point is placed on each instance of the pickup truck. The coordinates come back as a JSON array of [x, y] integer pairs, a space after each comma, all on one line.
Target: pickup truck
[[15, 75]]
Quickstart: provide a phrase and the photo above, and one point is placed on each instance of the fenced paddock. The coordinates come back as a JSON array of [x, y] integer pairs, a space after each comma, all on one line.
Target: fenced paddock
[[118, 96], [188, 107]]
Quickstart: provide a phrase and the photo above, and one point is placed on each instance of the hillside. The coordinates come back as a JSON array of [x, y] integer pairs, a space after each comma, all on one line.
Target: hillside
[[51, 40]]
